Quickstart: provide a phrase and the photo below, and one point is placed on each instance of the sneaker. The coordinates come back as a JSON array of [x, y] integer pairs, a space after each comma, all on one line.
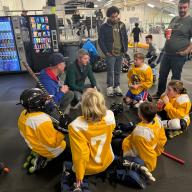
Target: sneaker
[[156, 96], [110, 92], [118, 91]]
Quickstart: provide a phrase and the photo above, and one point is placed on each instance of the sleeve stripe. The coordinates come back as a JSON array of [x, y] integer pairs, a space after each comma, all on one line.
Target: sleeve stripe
[[37, 120], [144, 132]]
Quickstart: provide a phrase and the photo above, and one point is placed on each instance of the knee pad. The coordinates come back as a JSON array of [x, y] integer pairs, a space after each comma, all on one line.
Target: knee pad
[[176, 124]]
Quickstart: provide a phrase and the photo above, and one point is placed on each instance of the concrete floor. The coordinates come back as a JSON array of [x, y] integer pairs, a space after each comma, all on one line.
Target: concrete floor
[[170, 175]]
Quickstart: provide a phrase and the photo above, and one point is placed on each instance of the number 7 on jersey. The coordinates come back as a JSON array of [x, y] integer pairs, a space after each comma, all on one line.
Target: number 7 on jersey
[[102, 139]]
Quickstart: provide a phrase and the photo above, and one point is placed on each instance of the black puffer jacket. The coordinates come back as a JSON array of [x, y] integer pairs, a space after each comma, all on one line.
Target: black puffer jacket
[[106, 37]]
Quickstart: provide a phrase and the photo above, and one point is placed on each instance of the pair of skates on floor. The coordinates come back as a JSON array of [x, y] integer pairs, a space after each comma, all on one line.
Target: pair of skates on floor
[[35, 162], [121, 171]]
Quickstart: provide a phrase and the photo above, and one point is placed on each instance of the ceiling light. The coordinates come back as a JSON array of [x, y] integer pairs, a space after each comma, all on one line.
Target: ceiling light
[[108, 3], [150, 5], [95, 5], [99, 0]]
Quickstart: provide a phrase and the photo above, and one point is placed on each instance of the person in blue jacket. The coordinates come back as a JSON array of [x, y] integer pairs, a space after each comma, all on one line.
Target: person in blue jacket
[[49, 77]]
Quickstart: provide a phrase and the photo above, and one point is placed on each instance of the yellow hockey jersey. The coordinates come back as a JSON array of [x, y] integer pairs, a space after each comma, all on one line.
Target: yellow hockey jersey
[[146, 142], [140, 75], [40, 135], [91, 145], [179, 108]]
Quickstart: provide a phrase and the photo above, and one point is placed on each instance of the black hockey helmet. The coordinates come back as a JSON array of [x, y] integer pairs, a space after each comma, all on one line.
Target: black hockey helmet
[[33, 99]]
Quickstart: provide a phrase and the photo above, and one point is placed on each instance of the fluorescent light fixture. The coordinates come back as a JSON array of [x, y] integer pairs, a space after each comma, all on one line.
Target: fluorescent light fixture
[[99, 0], [95, 5], [108, 3], [150, 5], [172, 15]]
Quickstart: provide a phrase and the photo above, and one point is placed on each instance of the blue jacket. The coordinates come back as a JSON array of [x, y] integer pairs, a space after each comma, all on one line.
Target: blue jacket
[[106, 37], [52, 86]]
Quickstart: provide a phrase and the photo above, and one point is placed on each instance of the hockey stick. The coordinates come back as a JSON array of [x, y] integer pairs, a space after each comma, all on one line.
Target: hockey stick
[[42, 88], [173, 158]]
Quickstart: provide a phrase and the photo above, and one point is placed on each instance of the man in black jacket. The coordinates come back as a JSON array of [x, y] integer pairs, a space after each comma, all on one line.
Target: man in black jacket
[[113, 42]]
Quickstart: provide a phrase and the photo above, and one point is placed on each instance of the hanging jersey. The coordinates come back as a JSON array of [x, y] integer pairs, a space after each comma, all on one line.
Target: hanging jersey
[[91, 144], [146, 142], [179, 108], [40, 135], [140, 75]]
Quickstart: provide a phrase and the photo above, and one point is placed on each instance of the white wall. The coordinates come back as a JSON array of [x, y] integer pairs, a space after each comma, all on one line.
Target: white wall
[[18, 5], [145, 14], [34, 4]]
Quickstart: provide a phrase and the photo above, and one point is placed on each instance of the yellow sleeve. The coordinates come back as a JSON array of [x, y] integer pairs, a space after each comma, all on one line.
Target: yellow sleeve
[[145, 152], [177, 113], [148, 79], [80, 152], [162, 139], [126, 145], [49, 136], [129, 74]]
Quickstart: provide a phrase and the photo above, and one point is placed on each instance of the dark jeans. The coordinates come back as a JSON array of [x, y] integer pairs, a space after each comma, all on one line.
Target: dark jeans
[[114, 64], [170, 62]]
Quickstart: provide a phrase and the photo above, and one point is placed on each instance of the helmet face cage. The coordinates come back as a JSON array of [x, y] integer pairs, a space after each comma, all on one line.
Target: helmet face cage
[[33, 99]]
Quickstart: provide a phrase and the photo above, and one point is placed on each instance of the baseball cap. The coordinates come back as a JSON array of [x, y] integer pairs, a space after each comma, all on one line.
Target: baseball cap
[[56, 58]]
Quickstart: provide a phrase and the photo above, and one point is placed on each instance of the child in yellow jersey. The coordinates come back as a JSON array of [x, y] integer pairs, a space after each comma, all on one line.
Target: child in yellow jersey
[[174, 107], [140, 79], [36, 127], [90, 136], [148, 138]]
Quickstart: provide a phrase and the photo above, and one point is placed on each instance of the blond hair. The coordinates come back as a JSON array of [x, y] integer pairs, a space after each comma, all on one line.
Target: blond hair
[[93, 105], [177, 86]]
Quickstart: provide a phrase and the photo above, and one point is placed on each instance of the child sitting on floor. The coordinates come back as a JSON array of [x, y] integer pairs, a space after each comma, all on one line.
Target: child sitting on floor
[[140, 79], [37, 129], [148, 138], [174, 107], [90, 137]]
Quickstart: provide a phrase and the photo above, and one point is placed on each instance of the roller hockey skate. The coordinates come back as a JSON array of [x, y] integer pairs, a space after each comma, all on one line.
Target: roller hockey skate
[[35, 162], [138, 168], [130, 171], [28, 160], [172, 134]]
